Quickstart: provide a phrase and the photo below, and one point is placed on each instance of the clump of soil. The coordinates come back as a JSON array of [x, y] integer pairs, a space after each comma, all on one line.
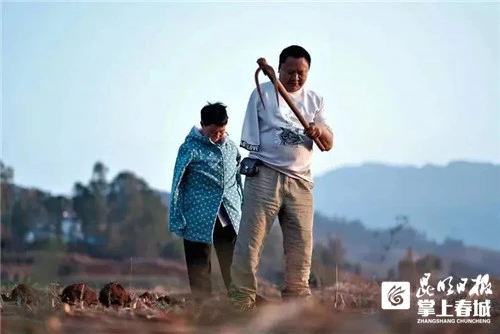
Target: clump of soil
[[168, 300], [90, 297], [79, 292], [113, 294], [24, 294], [148, 297]]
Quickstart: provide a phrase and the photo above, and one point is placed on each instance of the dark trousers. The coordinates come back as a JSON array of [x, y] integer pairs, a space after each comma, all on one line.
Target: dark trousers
[[198, 261]]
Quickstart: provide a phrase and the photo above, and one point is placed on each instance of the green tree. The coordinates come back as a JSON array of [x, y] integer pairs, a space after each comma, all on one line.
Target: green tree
[[82, 205], [28, 213], [99, 190], [7, 197], [138, 217], [90, 203], [55, 207], [6, 173]]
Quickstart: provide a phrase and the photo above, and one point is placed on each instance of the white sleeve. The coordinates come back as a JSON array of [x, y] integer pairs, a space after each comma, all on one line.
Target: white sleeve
[[250, 134], [321, 117]]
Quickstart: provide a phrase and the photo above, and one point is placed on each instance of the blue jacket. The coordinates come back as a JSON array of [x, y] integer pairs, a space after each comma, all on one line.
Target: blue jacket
[[205, 175]]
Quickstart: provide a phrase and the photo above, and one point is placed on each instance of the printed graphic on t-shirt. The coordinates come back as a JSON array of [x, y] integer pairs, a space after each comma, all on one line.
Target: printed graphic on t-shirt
[[292, 133], [290, 136]]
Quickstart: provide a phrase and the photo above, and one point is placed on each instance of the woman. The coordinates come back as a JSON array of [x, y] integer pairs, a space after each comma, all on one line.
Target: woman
[[206, 199]]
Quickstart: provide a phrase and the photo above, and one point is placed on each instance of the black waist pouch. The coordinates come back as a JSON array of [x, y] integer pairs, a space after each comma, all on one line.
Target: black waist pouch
[[250, 166]]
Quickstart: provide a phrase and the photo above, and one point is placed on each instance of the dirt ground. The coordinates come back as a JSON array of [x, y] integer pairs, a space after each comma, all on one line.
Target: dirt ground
[[351, 307]]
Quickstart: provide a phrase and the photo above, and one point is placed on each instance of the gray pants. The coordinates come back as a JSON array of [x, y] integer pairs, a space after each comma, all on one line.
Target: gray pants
[[267, 195]]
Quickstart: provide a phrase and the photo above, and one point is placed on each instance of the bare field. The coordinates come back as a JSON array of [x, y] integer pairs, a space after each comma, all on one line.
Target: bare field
[[352, 307]]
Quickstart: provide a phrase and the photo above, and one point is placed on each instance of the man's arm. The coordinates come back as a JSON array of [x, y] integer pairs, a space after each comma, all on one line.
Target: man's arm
[[250, 135], [322, 132], [321, 129]]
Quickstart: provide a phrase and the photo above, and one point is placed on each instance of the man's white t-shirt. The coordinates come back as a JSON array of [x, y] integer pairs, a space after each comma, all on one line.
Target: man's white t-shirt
[[275, 135]]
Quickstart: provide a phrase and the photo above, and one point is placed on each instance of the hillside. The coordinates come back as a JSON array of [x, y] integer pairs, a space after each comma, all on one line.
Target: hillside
[[460, 200], [377, 250]]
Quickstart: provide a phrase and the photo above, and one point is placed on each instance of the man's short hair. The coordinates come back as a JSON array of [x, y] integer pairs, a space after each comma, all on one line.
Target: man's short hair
[[214, 113], [294, 51]]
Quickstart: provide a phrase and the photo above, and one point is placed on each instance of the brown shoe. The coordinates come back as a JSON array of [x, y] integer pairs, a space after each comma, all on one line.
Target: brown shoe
[[241, 302], [260, 301]]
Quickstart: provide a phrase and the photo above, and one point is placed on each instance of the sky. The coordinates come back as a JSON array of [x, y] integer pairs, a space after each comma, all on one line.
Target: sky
[[123, 83]]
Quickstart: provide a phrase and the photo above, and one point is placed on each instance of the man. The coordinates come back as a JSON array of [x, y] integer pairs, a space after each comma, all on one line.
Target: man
[[282, 187]]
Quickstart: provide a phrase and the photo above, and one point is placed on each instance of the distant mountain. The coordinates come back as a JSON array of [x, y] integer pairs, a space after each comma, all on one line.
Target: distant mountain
[[460, 200], [379, 249]]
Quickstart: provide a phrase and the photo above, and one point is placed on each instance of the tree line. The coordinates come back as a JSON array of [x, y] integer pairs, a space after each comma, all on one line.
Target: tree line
[[118, 217]]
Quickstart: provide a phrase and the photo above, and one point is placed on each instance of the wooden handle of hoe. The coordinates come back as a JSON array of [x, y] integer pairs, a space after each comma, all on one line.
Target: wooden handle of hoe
[[265, 68]]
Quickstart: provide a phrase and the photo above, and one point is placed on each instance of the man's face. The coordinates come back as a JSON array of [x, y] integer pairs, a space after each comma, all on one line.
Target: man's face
[[293, 73], [214, 132]]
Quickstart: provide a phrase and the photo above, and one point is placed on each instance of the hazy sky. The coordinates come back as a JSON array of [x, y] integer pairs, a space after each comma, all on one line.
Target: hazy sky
[[123, 83]]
